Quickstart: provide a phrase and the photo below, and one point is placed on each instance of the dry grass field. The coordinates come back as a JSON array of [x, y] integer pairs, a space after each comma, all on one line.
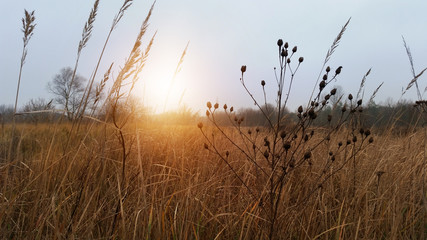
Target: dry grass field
[[95, 167], [175, 189]]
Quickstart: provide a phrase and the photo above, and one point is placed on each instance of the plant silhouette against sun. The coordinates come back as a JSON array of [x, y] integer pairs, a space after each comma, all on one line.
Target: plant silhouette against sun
[[288, 154]]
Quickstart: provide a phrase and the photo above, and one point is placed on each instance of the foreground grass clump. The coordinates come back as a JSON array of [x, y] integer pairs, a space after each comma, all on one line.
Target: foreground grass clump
[[175, 189]]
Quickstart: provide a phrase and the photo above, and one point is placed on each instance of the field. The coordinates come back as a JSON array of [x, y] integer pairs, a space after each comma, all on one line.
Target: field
[[176, 189], [94, 163]]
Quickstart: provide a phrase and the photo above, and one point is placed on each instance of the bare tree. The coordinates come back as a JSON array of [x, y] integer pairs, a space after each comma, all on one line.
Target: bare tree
[[67, 93], [35, 110]]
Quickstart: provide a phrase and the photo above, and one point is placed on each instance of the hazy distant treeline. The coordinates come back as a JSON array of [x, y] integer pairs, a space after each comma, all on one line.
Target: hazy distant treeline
[[401, 115]]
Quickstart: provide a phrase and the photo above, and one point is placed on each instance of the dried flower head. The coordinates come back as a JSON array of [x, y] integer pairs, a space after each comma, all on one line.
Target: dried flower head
[[200, 125], [300, 59], [243, 69], [338, 71], [294, 50], [279, 42], [262, 83], [209, 105]]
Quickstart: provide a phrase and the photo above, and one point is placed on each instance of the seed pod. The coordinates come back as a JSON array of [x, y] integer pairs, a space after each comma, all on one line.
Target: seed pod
[[361, 131], [209, 105], [359, 102], [307, 155], [286, 45], [328, 69], [327, 96], [243, 69], [266, 154], [294, 50], [325, 77], [216, 105], [333, 91], [225, 107], [367, 132], [371, 140], [322, 85], [343, 109], [350, 97], [208, 113], [231, 109], [284, 53], [300, 59], [300, 109], [340, 144], [338, 71], [354, 139], [287, 145], [200, 125], [249, 132], [282, 134], [205, 146], [279, 42], [263, 83], [288, 61]]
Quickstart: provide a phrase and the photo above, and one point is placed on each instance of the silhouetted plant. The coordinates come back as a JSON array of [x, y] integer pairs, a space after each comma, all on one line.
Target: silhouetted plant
[[284, 150]]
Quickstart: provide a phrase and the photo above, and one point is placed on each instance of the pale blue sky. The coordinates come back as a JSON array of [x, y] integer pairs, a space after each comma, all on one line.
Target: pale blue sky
[[223, 35]]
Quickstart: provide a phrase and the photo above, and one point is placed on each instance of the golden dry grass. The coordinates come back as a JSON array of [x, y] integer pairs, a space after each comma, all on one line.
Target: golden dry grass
[[175, 189]]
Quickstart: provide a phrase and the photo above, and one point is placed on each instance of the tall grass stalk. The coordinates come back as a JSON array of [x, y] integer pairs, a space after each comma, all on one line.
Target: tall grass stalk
[[28, 25]]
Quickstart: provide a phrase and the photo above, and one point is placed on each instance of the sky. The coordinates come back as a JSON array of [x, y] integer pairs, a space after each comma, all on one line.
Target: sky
[[223, 35]]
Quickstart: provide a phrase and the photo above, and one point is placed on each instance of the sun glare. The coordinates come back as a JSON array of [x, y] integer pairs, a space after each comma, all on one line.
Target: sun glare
[[159, 89]]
